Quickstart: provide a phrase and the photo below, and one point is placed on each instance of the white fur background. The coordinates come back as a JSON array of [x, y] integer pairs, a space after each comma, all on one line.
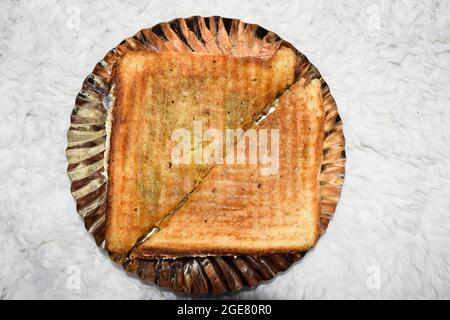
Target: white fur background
[[388, 66]]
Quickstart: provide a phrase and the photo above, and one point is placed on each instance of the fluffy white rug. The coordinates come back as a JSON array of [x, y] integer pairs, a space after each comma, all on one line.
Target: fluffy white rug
[[388, 65]]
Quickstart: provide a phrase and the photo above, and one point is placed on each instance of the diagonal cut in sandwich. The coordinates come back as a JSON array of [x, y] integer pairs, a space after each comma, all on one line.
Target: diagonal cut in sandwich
[[238, 210], [157, 93]]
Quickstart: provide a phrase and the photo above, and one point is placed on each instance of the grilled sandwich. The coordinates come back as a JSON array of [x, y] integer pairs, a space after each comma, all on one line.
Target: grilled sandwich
[[157, 93]]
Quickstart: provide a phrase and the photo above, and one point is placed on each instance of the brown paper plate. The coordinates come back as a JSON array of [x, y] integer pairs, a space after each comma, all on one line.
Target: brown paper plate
[[87, 152]]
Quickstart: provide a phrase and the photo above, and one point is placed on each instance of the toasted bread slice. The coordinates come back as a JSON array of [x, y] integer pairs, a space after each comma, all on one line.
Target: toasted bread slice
[[157, 93], [239, 210]]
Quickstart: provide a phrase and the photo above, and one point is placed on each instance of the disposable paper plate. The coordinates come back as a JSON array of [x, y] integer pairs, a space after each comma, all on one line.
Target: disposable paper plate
[[87, 152]]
